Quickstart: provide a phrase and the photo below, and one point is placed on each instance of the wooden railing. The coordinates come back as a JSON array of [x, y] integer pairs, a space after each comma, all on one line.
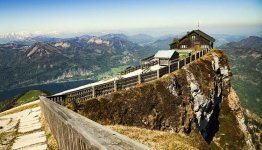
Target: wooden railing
[[124, 83], [75, 132], [131, 69]]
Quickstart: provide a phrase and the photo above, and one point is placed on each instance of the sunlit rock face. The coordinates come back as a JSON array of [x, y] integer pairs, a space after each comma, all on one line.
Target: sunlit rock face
[[204, 106], [62, 44], [98, 41]]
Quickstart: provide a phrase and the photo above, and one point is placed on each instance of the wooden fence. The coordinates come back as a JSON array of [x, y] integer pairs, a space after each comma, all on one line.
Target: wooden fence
[[131, 69], [124, 83], [75, 132]]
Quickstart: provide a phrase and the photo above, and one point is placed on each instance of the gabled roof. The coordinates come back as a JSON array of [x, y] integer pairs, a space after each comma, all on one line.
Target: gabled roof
[[204, 35], [148, 58], [199, 32], [165, 54]]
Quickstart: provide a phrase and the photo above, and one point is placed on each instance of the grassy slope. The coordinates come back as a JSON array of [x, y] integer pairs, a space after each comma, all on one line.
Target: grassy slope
[[28, 97], [158, 139], [20, 100], [229, 135], [250, 94]]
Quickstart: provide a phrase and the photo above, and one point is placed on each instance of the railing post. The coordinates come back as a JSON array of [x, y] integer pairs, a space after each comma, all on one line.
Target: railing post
[[195, 56], [139, 79], [158, 75], [94, 92], [169, 69], [178, 64], [115, 85]]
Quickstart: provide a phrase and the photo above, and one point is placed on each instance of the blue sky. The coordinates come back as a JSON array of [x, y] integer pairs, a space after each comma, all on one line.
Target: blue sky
[[130, 16]]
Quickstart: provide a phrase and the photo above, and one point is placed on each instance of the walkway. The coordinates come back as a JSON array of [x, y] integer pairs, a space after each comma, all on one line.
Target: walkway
[[23, 130]]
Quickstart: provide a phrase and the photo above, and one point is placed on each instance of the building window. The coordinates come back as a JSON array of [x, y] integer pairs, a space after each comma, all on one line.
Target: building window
[[204, 46], [193, 38], [183, 46]]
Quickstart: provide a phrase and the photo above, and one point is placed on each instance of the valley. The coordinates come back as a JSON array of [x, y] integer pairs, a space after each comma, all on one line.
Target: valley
[[50, 60], [245, 57], [44, 60]]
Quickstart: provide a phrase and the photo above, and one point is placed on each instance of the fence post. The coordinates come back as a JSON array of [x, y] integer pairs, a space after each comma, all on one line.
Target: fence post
[[115, 85], [169, 69], [139, 79], [94, 92], [195, 56], [178, 64], [158, 75]]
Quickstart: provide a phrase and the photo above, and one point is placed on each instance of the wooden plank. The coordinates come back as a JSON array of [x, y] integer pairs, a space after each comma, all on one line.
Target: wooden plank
[[173, 67], [73, 131]]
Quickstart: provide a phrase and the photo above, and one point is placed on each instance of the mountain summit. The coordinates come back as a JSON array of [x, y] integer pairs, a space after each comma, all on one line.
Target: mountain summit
[[41, 50]]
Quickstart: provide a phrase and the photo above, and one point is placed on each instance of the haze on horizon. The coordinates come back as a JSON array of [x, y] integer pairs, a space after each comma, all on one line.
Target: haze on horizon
[[131, 16]]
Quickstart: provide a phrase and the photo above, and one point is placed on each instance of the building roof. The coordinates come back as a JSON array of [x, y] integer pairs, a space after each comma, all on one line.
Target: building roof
[[165, 54], [199, 32], [203, 34], [148, 58]]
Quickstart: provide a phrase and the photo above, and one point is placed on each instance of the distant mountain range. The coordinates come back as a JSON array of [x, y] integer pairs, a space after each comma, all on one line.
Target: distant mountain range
[[42, 59], [246, 61], [16, 36]]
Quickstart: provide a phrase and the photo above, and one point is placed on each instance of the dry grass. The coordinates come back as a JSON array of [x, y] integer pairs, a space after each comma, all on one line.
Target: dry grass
[[20, 108], [157, 140], [51, 141]]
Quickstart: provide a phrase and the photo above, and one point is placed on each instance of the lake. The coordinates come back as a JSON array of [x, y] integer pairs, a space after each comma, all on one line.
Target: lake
[[51, 88]]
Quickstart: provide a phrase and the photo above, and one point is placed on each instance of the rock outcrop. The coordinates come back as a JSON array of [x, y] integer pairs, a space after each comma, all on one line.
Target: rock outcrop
[[234, 104]]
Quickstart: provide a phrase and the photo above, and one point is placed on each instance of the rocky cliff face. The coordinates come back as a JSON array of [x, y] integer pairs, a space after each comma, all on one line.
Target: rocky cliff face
[[195, 101]]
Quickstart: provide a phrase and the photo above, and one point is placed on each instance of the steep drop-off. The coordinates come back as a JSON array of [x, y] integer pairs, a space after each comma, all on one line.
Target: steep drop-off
[[191, 101], [245, 58]]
